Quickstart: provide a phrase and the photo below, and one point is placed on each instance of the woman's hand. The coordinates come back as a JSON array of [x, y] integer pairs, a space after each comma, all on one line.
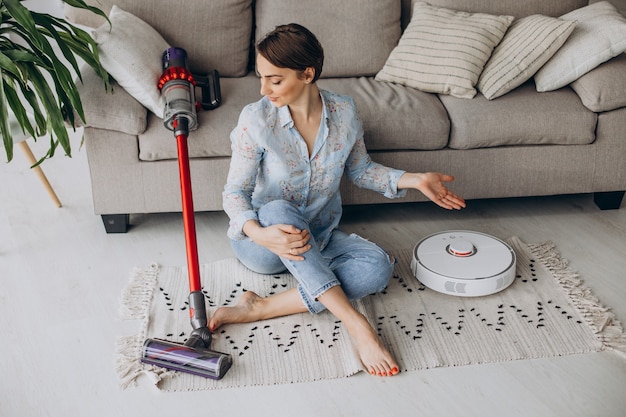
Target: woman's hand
[[431, 184], [284, 240]]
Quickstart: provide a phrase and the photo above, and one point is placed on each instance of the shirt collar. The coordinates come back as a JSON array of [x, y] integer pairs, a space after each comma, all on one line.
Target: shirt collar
[[285, 119]]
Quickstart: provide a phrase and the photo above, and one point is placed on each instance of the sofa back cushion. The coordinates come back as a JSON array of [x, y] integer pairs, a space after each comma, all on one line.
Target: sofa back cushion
[[519, 118], [516, 8], [357, 35], [216, 34]]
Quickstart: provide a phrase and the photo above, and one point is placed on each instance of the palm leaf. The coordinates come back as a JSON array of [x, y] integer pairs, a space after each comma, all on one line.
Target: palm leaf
[[39, 72], [5, 130], [49, 102], [20, 113], [82, 5]]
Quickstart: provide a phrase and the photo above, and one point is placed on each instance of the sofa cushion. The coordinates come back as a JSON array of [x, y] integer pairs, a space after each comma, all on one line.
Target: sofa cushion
[[444, 51], [136, 66], [357, 35], [522, 117], [217, 36], [604, 88], [395, 117], [114, 110], [528, 44], [600, 35], [212, 138], [515, 8]]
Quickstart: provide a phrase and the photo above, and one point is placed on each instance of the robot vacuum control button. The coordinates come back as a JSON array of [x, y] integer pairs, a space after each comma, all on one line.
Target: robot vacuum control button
[[462, 248]]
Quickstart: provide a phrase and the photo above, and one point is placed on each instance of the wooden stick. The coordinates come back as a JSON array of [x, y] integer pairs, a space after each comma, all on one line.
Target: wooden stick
[[31, 159]]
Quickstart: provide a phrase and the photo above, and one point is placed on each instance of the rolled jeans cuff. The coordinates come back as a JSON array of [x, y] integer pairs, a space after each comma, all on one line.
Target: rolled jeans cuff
[[311, 302]]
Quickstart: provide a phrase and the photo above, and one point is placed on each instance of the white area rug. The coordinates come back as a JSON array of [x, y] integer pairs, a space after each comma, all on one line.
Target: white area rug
[[546, 312]]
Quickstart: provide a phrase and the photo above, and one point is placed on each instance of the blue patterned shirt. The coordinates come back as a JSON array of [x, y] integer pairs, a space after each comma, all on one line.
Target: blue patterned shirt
[[270, 161]]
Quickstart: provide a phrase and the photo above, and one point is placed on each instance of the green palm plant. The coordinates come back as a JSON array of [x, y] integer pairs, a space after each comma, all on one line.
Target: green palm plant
[[36, 79]]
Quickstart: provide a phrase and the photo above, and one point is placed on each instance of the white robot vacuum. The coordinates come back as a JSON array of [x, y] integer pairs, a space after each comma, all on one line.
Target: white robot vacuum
[[464, 263]]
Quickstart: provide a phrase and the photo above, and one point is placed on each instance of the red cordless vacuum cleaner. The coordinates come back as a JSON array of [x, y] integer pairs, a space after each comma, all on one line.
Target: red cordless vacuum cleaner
[[177, 86]]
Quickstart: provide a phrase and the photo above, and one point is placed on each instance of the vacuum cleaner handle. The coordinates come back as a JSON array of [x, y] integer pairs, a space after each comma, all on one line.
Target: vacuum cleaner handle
[[211, 91]]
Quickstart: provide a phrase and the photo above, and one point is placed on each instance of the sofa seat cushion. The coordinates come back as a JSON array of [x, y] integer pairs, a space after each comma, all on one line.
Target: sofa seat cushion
[[395, 117], [212, 138], [522, 117]]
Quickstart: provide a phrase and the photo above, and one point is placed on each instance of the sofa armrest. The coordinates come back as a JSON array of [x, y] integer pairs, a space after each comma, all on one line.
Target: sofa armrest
[[604, 88], [112, 110]]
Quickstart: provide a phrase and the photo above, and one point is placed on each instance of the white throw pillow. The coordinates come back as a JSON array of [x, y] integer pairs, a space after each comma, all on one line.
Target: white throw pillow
[[131, 52], [444, 51], [600, 35], [528, 44]]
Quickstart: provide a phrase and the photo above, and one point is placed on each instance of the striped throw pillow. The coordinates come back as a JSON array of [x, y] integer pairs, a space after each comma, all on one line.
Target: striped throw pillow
[[529, 43], [444, 51]]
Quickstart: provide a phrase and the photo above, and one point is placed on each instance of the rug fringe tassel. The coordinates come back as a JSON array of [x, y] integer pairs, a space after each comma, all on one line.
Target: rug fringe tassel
[[135, 305], [602, 321], [128, 368]]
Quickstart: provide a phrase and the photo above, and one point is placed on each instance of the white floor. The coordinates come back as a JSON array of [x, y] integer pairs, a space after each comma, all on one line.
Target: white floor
[[62, 277]]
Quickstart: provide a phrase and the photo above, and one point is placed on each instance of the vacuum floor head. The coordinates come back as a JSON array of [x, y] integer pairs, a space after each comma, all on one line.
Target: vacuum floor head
[[197, 361], [464, 263]]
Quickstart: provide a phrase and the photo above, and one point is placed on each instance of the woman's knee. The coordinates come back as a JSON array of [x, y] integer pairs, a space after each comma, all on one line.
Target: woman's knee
[[257, 258], [281, 212], [366, 274], [380, 271], [264, 268]]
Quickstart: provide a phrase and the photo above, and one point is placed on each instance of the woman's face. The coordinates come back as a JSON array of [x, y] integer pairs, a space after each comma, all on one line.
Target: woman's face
[[282, 86]]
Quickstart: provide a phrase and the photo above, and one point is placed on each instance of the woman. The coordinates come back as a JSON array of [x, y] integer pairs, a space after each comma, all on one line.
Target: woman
[[289, 151]]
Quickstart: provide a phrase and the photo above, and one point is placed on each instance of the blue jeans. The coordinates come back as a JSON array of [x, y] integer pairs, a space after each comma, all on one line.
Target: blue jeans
[[359, 266]]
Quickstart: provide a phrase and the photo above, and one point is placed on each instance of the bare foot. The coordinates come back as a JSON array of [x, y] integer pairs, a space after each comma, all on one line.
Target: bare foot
[[243, 312], [374, 356], [251, 307]]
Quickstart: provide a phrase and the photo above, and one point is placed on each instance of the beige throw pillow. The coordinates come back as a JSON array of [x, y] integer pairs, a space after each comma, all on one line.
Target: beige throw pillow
[[444, 51], [130, 50], [603, 88], [528, 44], [600, 35]]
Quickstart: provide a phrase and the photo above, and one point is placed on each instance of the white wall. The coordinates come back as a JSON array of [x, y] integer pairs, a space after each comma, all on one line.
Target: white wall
[[54, 7]]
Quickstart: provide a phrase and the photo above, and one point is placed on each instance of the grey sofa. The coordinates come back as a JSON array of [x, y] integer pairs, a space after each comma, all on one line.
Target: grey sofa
[[524, 143]]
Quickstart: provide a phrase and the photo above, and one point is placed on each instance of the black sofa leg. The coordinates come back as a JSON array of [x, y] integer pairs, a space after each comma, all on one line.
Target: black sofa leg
[[115, 223], [608, 200]]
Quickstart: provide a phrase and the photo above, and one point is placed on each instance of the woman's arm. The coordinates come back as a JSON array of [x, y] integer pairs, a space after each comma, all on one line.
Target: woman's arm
[[242, 174], [392, 182]]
